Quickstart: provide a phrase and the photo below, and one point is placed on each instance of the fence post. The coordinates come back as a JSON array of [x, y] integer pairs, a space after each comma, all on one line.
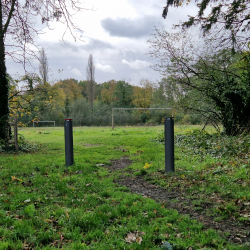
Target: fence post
[[16, 133], [169, 144], [15, 138], [68, 134], [112, 119]]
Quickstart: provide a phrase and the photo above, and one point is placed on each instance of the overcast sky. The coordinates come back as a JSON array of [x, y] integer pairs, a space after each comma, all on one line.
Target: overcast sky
[[115, 33]]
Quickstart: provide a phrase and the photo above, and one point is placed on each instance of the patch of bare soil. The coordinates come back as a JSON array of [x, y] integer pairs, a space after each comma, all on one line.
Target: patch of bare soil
[[236, 232]]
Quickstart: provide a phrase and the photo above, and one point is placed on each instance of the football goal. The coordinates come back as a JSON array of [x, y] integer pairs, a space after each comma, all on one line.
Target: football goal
[[113, 109]]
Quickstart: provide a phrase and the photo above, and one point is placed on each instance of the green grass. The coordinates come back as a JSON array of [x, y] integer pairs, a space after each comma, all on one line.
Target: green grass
[[46, 205]]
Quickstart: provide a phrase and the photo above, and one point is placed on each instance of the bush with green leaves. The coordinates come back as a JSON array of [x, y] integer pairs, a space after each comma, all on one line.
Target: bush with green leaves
[[218, 145], [23, 146]]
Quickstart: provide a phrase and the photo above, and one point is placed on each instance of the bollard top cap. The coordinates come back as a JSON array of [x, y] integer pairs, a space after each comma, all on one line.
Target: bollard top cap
[[168, 118], [68, 119]]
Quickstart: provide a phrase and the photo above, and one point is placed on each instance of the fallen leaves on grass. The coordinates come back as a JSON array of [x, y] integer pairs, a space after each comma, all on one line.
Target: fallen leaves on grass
[[78, 172], [25, 245], [245, 215], [60, 243], [52, 220], [147, 165], [134, 237], [139, 152], [67, 215], [14, 178]]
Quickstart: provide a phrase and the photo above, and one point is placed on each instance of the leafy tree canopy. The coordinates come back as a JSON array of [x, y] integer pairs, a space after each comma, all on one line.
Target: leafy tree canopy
[[233, 16], [123, 94], [201, 72]]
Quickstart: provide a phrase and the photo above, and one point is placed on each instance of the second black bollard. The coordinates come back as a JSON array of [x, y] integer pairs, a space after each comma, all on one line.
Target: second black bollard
[[169, 144], [68, 134]]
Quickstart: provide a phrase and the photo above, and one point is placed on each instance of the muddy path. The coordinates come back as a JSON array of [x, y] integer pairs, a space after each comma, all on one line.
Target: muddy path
[[233, 230]]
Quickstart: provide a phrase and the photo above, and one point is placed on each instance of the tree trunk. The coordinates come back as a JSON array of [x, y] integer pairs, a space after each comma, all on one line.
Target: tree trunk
[[4, 90], [90, 70]]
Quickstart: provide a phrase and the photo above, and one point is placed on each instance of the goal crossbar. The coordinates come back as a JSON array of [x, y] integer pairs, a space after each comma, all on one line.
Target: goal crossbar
[[132, 109]]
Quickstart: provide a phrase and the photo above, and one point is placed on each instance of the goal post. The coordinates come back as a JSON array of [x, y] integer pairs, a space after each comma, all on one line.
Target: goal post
[[43, 121], [134, 109]]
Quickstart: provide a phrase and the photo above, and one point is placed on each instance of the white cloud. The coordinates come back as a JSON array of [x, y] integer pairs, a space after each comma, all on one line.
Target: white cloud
[[108, 51], [137, 64], [76, 72], [105, 68]]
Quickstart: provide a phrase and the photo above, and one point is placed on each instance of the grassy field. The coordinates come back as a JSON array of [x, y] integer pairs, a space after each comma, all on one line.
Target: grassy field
[[46, 205]]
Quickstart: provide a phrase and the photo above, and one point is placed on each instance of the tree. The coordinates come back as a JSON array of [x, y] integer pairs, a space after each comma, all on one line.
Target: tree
[[143, 94], [218, 78], [83, 84], [31, 78], [17, 30], [123, 94], [71, 88], [72, 91], [45, 102], [107, 91], [90, 71], [159, 96], [17, 103], [43, 67], [233, 16], [4, 88]]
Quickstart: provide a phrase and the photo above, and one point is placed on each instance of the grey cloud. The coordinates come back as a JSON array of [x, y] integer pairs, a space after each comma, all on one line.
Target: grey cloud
[[122, 71], [59, 48], [131, 55], [65, 48], [97, 44], [72, 56], [124, 27]]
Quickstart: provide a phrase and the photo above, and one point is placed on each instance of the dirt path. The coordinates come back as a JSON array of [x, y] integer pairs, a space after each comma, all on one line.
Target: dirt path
[[237, 232]]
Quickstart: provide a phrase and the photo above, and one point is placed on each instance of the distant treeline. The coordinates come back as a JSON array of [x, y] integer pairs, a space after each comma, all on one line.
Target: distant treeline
[[70, 98]]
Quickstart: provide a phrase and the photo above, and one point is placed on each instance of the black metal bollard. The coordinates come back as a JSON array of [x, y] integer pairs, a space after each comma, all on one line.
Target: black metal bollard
[[169, 144], [68, 134]]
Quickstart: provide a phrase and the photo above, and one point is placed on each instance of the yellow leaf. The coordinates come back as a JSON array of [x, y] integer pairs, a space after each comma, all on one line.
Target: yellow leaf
[[14, 178], [67, 215], [48, 220], [147, 165]]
